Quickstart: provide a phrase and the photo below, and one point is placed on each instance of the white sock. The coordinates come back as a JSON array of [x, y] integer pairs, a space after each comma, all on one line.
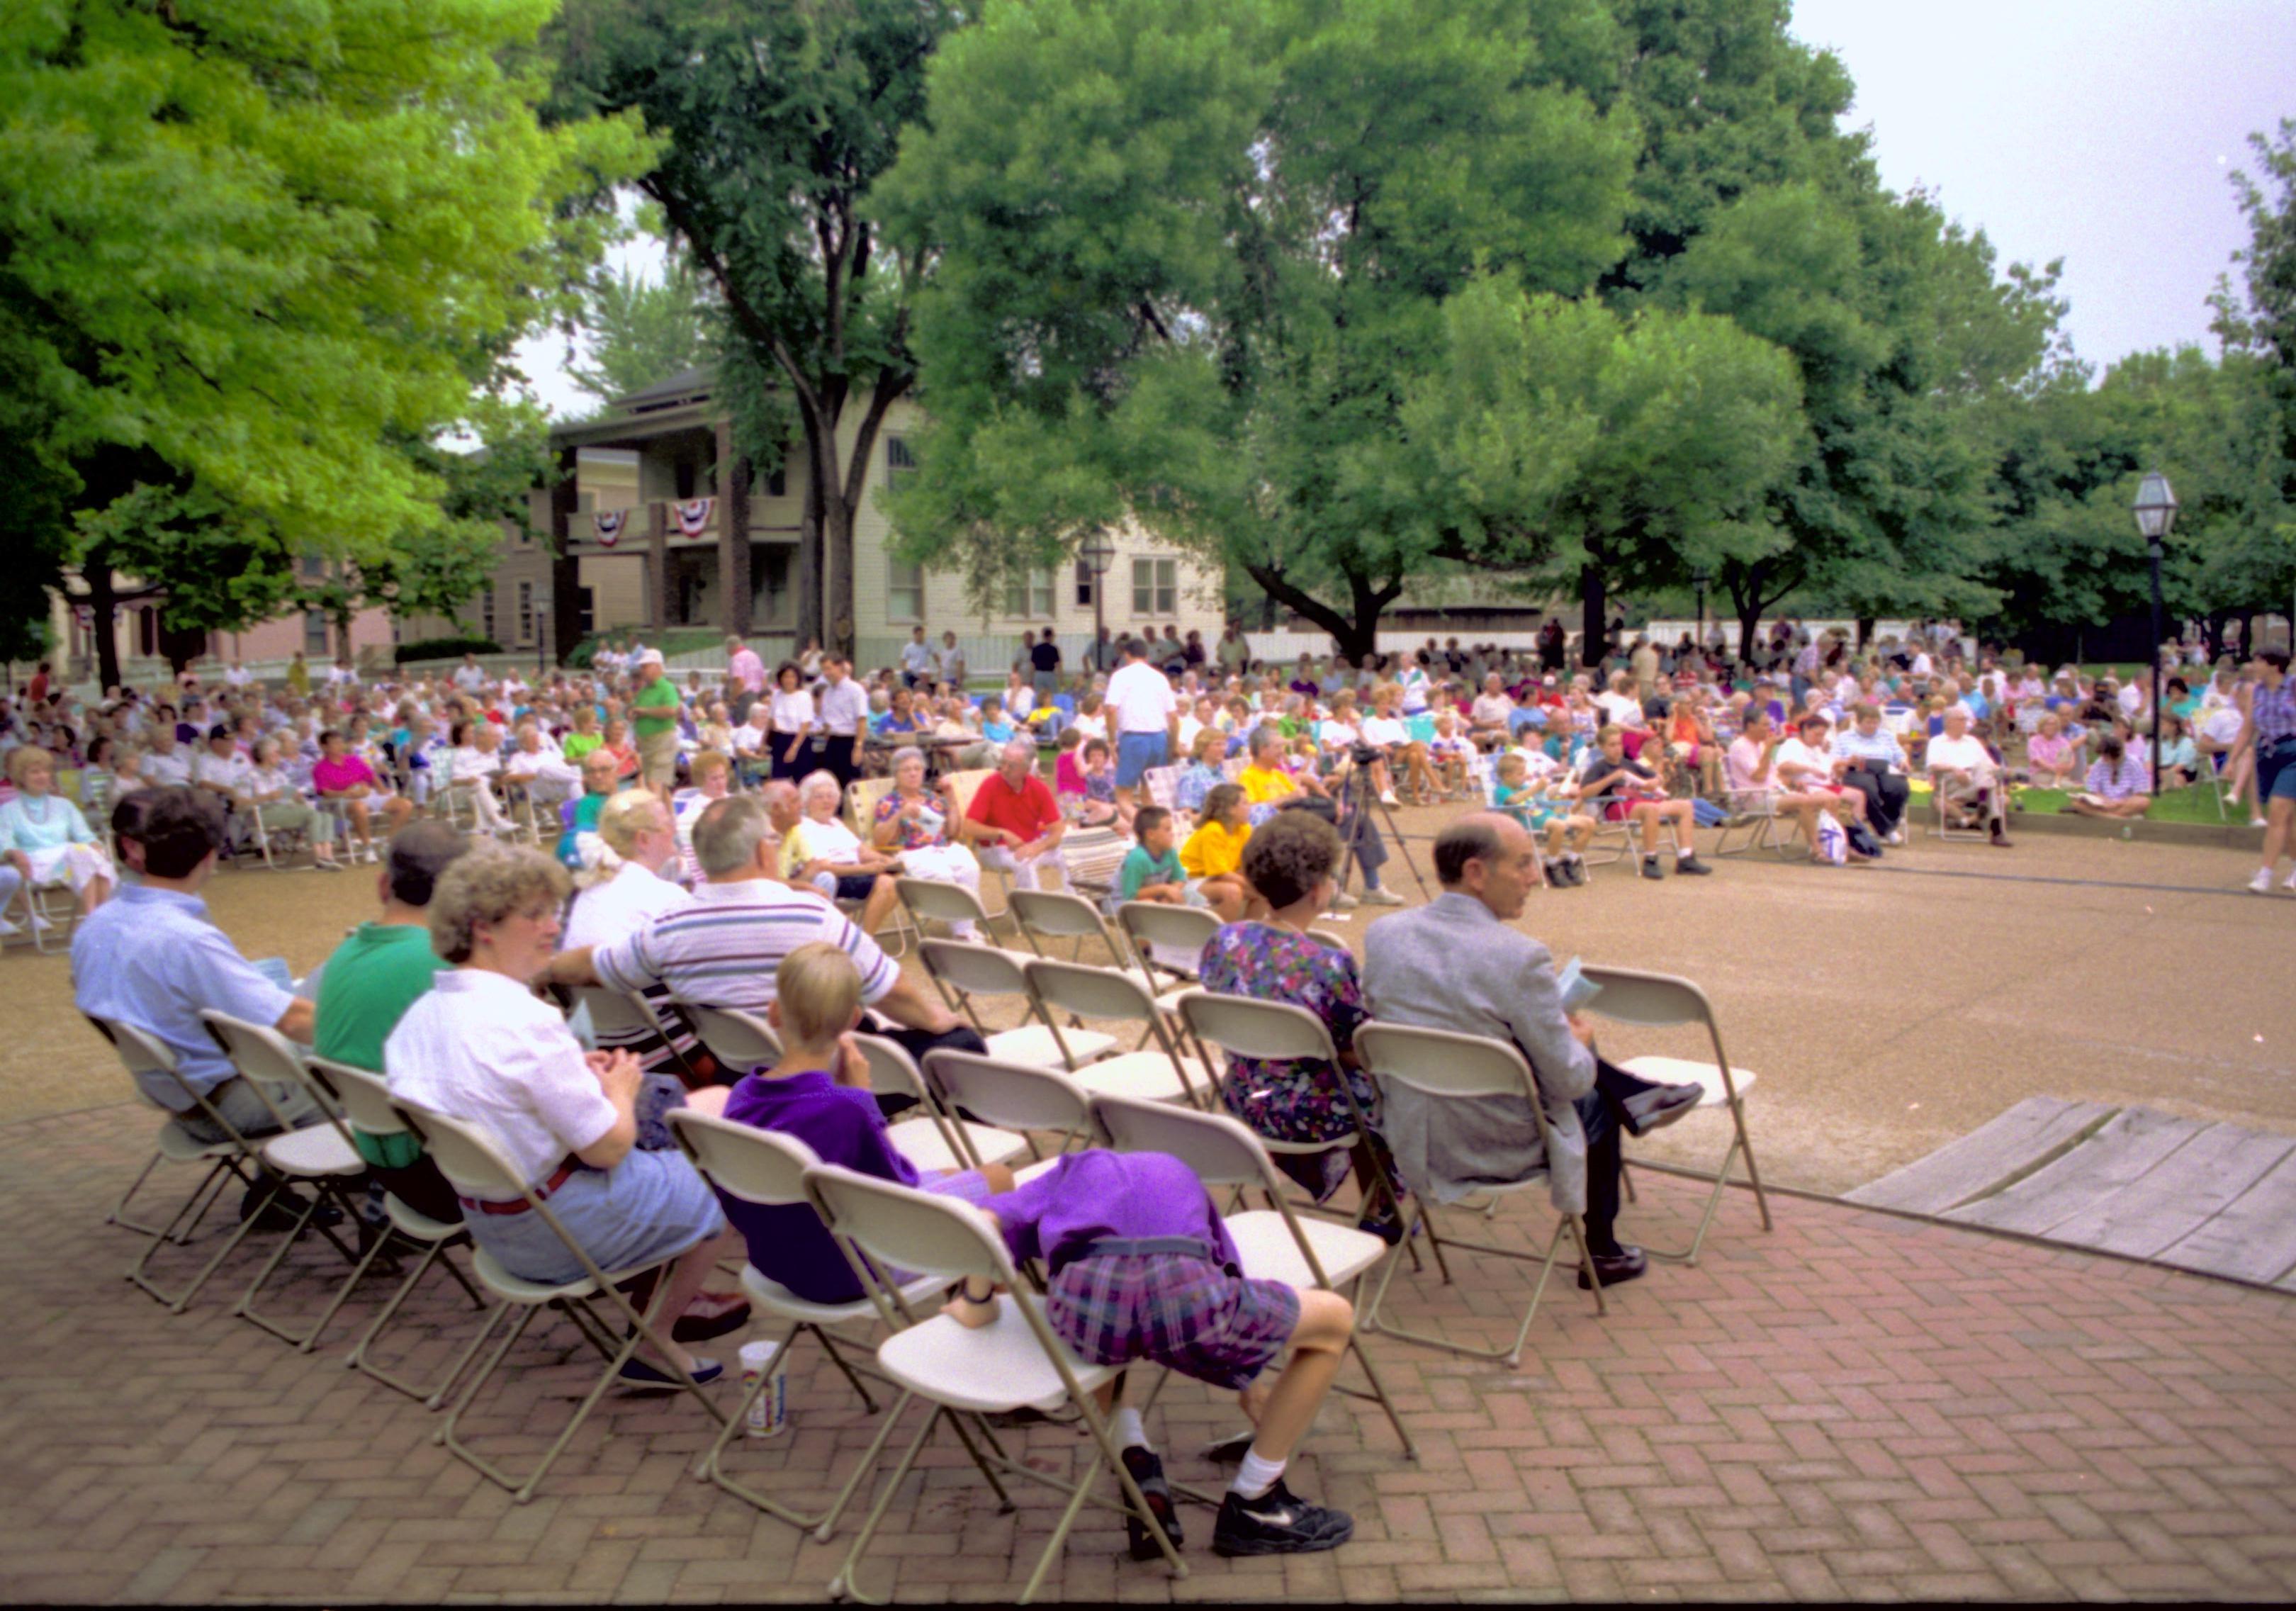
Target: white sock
[[1254, 1476], [1130, 1433], [1685, 852]]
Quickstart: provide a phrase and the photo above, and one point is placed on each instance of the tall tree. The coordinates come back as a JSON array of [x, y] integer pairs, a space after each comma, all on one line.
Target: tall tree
[[641, 328], [776, 121], [1192, 255], [286, 228]]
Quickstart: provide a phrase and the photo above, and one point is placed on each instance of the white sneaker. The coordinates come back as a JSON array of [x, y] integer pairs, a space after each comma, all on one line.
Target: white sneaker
[[2257, 822], [2289, 883], [1381, 897], [1388, 798], [1897, 836], [8, 928], [1344, 902], [2261, 884]]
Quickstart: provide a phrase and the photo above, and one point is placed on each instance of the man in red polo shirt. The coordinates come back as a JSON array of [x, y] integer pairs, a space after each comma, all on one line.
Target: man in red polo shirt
[[1016, 825]]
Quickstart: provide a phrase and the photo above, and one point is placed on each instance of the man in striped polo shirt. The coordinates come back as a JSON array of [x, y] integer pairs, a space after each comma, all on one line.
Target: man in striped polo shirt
[[723, 948]]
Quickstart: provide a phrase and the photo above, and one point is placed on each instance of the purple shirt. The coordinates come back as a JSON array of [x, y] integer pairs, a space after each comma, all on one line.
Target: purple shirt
[[1089, 1196], [842, 1125]]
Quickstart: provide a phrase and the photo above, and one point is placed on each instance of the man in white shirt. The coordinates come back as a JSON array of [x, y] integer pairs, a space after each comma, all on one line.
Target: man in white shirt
[[239, 676], [916, 659], [1962, 770], [470, 677], [164, 761], [538, 767], [842, 709], [949, 661], [1489, 717], [1146, 718], [220, 768]]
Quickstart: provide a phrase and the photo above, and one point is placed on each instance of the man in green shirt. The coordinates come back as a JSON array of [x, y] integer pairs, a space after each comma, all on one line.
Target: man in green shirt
[[653, 722], [368, 984]]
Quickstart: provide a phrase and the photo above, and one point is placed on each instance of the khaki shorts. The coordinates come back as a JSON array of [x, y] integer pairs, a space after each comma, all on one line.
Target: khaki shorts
[[657, 758]]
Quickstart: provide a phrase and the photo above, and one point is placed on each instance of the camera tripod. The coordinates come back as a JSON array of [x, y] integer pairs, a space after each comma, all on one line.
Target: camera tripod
[[1355, 798]]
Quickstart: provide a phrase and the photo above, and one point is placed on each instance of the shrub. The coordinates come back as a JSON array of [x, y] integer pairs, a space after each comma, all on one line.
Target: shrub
[[444, 648]]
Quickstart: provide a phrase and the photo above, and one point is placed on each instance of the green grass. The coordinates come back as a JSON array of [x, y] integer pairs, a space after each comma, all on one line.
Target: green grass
[[2177, 805]]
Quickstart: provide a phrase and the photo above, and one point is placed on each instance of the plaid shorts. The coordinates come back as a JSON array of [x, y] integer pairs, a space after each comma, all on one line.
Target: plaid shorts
[[1173, 1310]]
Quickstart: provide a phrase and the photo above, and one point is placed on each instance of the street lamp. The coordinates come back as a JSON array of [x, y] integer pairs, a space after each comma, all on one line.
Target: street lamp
[[2156, 515], [1700, 577], [1098, 554]]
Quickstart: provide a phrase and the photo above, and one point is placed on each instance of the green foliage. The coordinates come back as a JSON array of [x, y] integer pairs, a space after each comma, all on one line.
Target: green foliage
[[642, 329], [443, 648], [255, 247]]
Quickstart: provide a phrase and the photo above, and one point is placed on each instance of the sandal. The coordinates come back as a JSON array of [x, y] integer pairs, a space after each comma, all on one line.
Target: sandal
[[643, 1373]]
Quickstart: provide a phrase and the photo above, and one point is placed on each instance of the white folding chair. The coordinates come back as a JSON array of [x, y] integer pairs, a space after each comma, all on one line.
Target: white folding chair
[[736, 1039], [365, 1100], [1754, 812], [1113, 996], [1273, 1244], [1443, 1065], [627, 1021], [1664, 1001], [930, 1141], [961, 972], [468, 1156], [1012, 1097], [767, 1168], [1013, 1363], [149, 1061], [320, 1156], [938, 899], [1057, 915], [1160, 934]]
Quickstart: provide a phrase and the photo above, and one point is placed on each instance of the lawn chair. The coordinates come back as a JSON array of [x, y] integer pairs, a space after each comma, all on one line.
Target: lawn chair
[[1275, 1244], [1443, 1065], [1661, 1002], [739, 1041], [469, 1157], [1755, 813], [1012, 1363]]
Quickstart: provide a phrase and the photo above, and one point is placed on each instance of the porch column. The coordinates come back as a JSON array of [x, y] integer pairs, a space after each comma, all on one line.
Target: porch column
[[658, 571], [732, 531]]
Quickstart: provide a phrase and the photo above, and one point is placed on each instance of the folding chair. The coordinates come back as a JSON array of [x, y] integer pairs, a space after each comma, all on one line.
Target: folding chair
[[1447, 1067], [737, 1039], [365, 1101], [1944, 827], [626, 1020], [949, 903], [1661, 1002], [469, 1157], [1013, 1363], [1057, 915], [961, 972], [1014, 1098], [1112, 995], [1755, 812], [1275, 1244], [930, 1141], [320, 1156], [233, 1159], [1623, 839], [50, 910], [768, 1169], [1148, 925]]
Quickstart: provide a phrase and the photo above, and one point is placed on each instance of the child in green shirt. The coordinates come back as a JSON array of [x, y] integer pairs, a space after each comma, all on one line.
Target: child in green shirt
[[1151, 869]]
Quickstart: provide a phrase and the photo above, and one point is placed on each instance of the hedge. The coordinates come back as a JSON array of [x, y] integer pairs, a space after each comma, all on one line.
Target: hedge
[[444, 648]]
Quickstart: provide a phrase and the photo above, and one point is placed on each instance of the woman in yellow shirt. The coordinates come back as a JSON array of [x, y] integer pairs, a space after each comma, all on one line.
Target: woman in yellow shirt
[[1213, 856]]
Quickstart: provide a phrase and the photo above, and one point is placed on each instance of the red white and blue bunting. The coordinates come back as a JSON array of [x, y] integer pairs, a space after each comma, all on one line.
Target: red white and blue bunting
[[610, 523], [693, 515]]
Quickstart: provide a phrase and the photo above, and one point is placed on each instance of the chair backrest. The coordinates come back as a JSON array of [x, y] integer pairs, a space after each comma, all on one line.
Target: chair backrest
[[1009, 1095], [364, 1095], [1276, 1031], [1326, 938], [1221, 1150], [942, 901], [1163, 786], [963, 785], [892, 1072], [467, 1154], [1057, 915], [1088, 991], [736, 1039], [1653, 1000], [1443, 1062], [760, 1166], [261, 1055], [149, 1061], [618, 1012], [1092, 856], [974, 970], [900, 1227], [861, 798], [1147, 923]]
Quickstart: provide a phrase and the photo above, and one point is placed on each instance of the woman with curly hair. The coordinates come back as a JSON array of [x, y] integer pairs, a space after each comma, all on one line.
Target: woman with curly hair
[[483, 1049], [1288, 863]]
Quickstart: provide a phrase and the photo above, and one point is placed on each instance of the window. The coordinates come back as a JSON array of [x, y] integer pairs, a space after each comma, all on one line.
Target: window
[[1084, 581], [1029, 596], [527, 629], [487, 614], [900, 463], [1155, 587], [777, 481], [904, 591], [312, 566], [315, 632]]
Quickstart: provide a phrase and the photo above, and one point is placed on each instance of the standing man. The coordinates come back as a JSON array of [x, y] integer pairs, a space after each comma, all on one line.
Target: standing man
[[949, 662], [470, 677], [2271, 728], [1106, 654], [1147, 722], [743, 668], [653, 722], [844, 716], [1045, 667], [1234, 650], [916, 659], [1643, 664]]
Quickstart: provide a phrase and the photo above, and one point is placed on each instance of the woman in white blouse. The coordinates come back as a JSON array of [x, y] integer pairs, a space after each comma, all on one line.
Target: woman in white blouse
[[791, 720], [481, 1048]]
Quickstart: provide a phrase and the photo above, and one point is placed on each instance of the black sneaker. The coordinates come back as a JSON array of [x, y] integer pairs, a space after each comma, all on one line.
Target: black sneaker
[[1277, 1523], [1691, 866], [1556, 878], [1384, 1222], [1576, 870], [1148, 1472], [1651, 869]]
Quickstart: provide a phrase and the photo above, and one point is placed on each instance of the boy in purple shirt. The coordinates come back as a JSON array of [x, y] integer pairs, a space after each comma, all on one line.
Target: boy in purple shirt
[[1141, 1267], [819, 1094]]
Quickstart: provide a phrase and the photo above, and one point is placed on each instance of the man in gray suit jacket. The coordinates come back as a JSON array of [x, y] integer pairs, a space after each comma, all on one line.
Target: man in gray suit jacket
[[1456, 963]]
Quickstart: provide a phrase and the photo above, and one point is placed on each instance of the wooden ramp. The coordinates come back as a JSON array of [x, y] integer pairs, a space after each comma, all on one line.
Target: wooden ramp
[[2210, 1198]]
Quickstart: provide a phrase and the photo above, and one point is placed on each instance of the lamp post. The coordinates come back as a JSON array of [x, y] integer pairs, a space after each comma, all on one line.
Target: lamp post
[[1700, 577], [2156, 515], [1098, 554]]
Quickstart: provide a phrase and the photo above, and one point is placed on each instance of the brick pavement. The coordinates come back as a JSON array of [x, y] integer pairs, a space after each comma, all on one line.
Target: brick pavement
[[1855, 1407]]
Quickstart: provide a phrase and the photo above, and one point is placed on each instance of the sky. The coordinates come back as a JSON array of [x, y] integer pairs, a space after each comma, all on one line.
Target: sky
[[2102, 132]]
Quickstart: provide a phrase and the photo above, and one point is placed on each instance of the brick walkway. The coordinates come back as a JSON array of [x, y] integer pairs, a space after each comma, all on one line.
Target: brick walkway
[[1855, 1407]]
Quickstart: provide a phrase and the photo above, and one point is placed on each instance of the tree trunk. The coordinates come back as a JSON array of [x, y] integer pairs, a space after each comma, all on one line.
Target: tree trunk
[[565, 568], [1864, 632], [837, 559], [733, 541], [1354, 635], [1594, 600], [95, 573], [2212, 633]]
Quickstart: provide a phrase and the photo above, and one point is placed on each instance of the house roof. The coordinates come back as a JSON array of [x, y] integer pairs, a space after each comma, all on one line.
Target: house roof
[[687, 386]]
